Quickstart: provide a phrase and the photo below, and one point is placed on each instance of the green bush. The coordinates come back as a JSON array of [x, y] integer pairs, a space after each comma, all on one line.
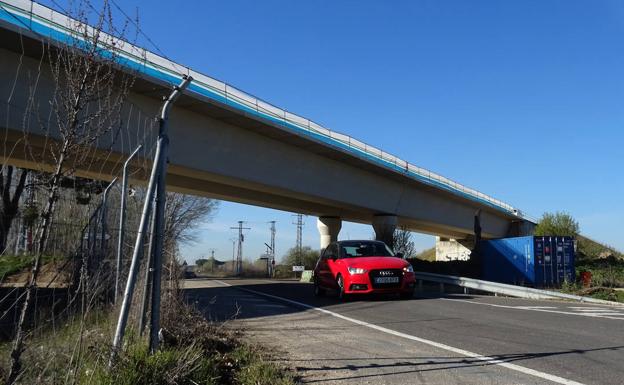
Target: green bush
[[607, 272], [11, 264], [168, 366], [254, 370]]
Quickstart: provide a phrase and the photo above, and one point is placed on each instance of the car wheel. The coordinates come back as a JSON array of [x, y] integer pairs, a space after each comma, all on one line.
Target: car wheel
[[341, 289], [407, 295], [318, 291]]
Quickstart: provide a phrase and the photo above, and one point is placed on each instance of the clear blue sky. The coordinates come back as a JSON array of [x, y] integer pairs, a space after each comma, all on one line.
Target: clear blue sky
[[522, 100]]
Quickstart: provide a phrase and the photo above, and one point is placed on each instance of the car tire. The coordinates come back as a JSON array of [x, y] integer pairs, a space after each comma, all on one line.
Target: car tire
[[407, 295], [318, 290], [341, 290]]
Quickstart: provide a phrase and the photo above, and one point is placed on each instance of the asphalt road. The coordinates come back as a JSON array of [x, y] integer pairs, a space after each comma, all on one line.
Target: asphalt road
[[457, 339]]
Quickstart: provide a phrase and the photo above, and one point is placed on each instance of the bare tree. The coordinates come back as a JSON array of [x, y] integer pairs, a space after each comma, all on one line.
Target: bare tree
[[403, 242], [183, 214], [86, 104], [10, 204]]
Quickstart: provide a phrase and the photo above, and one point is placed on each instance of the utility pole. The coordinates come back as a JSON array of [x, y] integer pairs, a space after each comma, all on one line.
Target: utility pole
[[212, 260], [241, 239], [298, 246], [233, 240], [272, 261]]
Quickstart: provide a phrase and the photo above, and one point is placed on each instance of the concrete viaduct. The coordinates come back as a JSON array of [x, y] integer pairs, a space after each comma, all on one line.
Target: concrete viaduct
[[229, 145]]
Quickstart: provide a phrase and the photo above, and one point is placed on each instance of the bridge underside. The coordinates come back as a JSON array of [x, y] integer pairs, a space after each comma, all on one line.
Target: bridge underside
[[225, 154]]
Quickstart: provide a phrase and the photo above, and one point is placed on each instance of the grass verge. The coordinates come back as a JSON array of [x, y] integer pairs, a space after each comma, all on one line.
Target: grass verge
[[194, 351], [10, 264]]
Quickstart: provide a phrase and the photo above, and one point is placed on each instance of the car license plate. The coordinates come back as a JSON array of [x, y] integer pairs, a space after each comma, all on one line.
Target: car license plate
[[386, 279]]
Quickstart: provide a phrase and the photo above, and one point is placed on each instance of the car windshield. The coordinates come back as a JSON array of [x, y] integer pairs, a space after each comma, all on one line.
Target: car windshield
[[356, 249]]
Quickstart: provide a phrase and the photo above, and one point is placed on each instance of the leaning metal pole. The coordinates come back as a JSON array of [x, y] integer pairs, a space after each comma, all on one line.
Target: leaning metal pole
[[147, 285], [103, 216], [136, 258], [160, 155], [159, 217], [122, 218]]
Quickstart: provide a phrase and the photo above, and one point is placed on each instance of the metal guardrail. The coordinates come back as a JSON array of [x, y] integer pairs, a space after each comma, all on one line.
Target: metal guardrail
[[34, 16], [505, 289]]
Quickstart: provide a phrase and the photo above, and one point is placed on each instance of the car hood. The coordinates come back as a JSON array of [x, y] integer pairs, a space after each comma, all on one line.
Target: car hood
[[370, 263]]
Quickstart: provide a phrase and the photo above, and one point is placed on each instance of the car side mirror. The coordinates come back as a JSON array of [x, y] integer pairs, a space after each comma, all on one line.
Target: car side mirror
[[399, 255]]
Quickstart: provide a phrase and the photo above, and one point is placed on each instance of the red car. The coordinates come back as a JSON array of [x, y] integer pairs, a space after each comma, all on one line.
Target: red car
[[362, 267]]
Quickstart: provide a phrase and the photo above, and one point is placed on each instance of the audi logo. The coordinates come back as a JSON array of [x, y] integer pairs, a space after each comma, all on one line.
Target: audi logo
[[385, 273]]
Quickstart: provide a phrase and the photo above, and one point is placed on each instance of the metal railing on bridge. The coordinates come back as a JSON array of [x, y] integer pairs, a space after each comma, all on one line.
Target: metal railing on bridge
[[45, 21]]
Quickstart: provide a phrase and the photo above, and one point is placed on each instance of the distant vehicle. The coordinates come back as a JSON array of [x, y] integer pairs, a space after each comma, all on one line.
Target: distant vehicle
[[362, 267], [189, 274]]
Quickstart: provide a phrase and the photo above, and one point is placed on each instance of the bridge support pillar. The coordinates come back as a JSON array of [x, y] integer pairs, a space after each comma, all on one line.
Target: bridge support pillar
[[328, 228], [384, 226]]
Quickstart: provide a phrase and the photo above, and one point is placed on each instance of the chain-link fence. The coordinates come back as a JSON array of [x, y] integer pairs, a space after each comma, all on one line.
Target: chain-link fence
[[81, 250]]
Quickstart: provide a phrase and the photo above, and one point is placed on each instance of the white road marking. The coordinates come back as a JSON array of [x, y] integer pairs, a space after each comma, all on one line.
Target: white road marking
[[480, 357], [597, 311], [249, 299], [270, 305], [597, 315], [602, 315]]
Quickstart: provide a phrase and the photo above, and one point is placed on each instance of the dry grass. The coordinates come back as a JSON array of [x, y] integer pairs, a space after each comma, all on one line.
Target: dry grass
[[194, 351]]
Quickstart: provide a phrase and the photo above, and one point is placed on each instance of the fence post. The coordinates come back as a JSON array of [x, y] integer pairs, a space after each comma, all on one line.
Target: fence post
[[122, 218], [93, 232], [136, 256], [159, 219], [103, 216], [156, 177], [149, 269]]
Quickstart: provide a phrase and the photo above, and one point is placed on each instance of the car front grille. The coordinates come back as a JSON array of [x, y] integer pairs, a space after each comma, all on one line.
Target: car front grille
[[385, 273]]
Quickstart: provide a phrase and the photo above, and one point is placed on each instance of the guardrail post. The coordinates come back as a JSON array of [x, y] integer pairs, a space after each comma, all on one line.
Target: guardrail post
[[420, 285], [441, 288]]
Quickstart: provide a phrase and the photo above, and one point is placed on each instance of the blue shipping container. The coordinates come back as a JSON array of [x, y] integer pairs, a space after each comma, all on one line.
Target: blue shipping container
[[530, 261]]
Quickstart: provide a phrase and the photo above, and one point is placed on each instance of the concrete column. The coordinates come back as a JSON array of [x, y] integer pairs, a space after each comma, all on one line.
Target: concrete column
[[384, 226], [328, 228]]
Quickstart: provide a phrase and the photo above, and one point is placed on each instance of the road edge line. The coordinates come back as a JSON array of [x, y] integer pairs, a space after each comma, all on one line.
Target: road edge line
[[480, 357]]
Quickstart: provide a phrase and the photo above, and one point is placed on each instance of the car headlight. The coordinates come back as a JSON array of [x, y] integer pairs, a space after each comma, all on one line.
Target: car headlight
[[408, 269], [356, 270]]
